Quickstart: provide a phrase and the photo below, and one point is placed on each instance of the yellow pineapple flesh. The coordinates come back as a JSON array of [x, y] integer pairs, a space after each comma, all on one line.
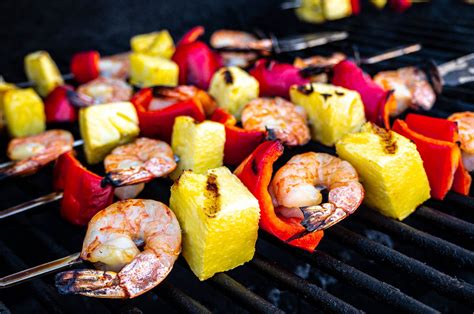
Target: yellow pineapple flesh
[[390, 168], [104, 127], [233, 88], [24, 112], [333, 111], [146, 70], [219, 219], [156, 44], [199, 146], [43, 72]]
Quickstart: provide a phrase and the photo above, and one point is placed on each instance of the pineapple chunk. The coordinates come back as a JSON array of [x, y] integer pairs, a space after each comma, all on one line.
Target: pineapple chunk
[[106, 126], [24, 112], [219, 218], [333, 111], [43, 72], [390, 167], [233, 88], [311, 11], [335, 10], [199, 146], [4, 87], [156, 44], [146, 70]]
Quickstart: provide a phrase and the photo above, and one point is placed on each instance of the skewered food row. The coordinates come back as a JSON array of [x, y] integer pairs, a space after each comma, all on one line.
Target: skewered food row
[[219, 211]]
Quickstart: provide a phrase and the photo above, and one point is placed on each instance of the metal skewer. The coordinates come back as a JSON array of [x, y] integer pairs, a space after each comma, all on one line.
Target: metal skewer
[[76, 143], [40, 270]]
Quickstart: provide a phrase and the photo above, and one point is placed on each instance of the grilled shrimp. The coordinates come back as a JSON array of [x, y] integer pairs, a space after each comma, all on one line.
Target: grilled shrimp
[[164, 96], [238, 40], [296, 190], [33, 152], [411, 89], [116, 66], [316, 68], [111, 244], [102, 90], [465, 121], [280, 118], [138, 162]]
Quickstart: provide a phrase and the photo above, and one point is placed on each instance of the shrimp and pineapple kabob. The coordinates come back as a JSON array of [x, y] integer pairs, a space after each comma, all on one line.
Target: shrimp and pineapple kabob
[[206, 196]]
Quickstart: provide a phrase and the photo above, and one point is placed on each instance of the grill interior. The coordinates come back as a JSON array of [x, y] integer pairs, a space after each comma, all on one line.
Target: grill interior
[[366, 263]]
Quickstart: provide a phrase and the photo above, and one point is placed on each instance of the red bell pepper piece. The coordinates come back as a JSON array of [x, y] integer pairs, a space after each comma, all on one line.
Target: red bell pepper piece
[[462, 180], [377, 101], [196, 61], [61, 166], [437, 128], [83, 194], [355, 5], [440, 159], [57, 106], [275, 78], [239, 143], [85, 66], [159, 123], [444, 130], [256, 173], [400, 5]]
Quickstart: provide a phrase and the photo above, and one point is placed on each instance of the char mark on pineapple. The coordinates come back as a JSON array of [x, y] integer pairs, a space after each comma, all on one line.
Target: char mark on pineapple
[[306, 89], [213, 194], [228, 77], [386, 138]]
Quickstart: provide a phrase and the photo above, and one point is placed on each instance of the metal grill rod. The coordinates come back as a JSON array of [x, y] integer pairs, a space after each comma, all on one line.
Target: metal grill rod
[[444, 284], [247, 298], [456, 225], [461, 257], [375, 288], [308, 290]]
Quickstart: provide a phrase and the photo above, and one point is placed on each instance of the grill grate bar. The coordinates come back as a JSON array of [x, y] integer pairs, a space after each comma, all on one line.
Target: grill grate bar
[[437, 280], [460, 257], [458, 226], [461, 200], [375, 288], [45, 294], [184, 302], [308, 290], [247, 298], [172, 294]]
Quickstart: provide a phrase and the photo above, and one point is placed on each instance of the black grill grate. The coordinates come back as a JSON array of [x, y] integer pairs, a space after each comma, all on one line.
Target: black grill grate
[[367, 263]]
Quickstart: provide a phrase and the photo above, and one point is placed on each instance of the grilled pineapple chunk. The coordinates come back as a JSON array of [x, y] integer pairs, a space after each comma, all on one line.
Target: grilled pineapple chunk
[[146, 70], [43, 72], [156, 44], [390, 167], [4, 87], [219, 218], [333, 111], [24, 112], [199, 146], [106, 126], [233, 88], [318, 11]]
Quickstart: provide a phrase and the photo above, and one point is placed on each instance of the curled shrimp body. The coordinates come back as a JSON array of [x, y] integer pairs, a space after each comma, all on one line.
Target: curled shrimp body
[[137, 162], [33, 152], [102, 90], [116, 66], [465, 121], [164, 96], [296, 189], [111, 241], [280, 118]]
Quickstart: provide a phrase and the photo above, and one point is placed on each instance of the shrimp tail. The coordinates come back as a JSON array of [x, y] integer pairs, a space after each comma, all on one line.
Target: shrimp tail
[[154, 168], [89, 282], [127, 176], [322, 216]]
